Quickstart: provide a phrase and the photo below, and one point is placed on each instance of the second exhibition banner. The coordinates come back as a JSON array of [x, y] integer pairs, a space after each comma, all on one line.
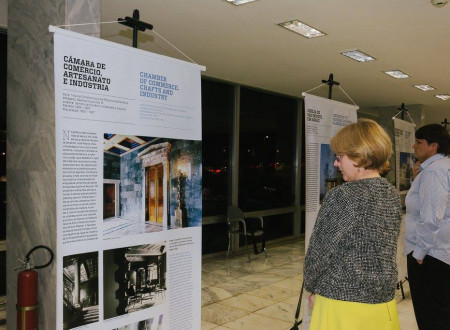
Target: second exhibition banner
[[323, 118], [129, 178]]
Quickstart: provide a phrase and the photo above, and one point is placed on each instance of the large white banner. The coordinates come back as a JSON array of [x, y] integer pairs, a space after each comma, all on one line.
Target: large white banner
[[404, 163], [323, 118], [129, 175], [404, 153]]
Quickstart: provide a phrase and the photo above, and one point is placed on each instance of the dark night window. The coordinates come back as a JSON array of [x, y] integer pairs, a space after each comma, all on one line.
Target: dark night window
[[3, 44], [217, 105], [267, 151], [216, 123]]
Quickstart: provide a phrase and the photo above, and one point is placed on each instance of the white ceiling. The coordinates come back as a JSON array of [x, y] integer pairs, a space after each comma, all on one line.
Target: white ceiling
[[244, 44]]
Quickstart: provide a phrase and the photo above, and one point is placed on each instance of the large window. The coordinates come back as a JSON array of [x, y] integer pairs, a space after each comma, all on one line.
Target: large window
[[3, 39], [267, 134], [217, 104], [266, 151]]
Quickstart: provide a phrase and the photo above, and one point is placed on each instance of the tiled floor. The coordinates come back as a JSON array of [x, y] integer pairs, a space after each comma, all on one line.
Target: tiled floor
[[263, 294]]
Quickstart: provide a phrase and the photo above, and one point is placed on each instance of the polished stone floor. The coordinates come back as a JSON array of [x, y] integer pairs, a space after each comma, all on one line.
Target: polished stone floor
[[2, 315], [263, 294]]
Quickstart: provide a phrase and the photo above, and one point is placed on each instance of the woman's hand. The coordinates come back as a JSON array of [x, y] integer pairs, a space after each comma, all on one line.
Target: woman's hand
[[311, 299]]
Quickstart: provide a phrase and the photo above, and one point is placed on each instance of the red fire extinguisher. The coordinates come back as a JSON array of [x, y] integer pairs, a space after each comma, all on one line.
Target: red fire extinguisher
[[27, 292]]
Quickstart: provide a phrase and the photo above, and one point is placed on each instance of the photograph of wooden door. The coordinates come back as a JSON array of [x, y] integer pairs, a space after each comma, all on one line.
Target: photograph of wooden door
[[154, 193], [109, 200]]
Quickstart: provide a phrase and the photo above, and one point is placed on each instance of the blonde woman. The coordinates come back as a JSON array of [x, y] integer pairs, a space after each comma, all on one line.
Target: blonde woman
[[350, 266]]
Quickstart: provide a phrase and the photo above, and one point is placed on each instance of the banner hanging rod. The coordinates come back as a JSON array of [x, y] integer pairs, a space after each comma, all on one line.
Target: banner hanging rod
[[126, 21]]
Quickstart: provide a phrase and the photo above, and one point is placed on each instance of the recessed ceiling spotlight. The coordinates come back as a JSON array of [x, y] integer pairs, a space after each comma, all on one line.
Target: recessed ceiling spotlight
[[302, 28], [239, 2], [397, 74], [358, 56], [444, 97], [425, 87]]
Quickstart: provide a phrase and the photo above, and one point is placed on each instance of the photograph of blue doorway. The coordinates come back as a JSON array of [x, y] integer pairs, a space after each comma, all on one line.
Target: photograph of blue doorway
[[150, 184]]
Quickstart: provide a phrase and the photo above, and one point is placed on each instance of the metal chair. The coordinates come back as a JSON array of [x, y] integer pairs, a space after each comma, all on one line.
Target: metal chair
[[133, 295], [239, 224]]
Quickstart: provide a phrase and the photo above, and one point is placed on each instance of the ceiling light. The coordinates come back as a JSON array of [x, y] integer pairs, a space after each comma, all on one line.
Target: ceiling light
[[439, 3], [302, 28], [239, 2], [358, 56], [444, 97], [425, 87], [397, 74]]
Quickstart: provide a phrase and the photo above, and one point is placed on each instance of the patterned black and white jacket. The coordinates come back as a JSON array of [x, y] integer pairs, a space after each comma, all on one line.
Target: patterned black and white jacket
[[352, 251]]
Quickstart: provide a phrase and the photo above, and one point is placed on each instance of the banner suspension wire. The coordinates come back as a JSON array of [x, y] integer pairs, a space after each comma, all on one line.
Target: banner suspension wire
[[407, 112], [81, 24], [174, 46], [312, 89], [347, 95], [118, 21], [303, 94]]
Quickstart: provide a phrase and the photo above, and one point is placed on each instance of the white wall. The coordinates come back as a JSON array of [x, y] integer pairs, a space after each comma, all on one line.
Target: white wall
[[3, 13]]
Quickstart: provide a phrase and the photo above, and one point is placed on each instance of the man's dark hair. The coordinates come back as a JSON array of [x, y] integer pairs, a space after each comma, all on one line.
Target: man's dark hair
[[435, 133]]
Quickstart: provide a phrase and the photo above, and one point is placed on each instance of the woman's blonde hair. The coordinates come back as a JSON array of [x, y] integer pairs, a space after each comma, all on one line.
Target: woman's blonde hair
[[365, 142]]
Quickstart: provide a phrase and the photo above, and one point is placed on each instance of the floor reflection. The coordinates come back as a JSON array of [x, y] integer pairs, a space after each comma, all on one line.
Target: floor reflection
[[263, 294]]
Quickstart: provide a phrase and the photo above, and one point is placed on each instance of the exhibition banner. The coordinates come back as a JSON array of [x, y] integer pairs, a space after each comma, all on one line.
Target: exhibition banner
[[404, 153], [404, 163], [323, 118], [129, 178]]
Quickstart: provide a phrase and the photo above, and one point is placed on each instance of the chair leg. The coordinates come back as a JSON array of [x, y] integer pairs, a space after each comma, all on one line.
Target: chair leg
[[265, 253], [246, 249]]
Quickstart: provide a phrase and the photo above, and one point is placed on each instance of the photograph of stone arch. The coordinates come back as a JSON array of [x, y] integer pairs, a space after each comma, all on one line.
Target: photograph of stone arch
[[134, 278], [150, 184], [80, 277]]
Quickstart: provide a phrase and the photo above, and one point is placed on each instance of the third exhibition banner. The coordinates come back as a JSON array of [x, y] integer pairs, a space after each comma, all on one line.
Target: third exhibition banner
[[323, 118], [404, 153], [129, 178]]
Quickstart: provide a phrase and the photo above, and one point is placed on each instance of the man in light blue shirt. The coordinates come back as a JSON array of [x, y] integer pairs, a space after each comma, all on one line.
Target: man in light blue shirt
[[427, 229]]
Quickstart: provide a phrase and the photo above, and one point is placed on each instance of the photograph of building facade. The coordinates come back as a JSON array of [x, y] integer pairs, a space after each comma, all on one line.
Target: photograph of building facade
[[330, 176], [150, 184], [405, 170]]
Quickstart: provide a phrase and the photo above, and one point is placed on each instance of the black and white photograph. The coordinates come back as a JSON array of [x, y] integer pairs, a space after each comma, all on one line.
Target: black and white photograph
[[80, 276], [134, 278]]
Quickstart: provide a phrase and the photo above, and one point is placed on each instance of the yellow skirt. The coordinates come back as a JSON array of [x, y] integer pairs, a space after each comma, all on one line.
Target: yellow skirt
[[331, 314]]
